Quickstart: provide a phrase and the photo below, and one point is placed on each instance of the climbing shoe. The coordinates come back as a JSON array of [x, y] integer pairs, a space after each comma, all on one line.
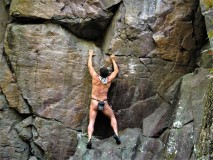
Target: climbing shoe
[[117, 139], [89, 145]]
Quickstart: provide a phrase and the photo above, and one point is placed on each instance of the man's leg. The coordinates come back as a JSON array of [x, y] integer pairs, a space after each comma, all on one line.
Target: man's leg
[[109, 113], [92, 116]]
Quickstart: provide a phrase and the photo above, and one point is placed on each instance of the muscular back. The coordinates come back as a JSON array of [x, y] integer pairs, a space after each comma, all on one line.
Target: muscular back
[[99, 90]]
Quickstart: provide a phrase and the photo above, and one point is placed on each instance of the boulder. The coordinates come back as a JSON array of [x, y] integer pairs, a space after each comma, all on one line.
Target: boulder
[[55, 140], [149, 148], [108, 149], [206, 7], [8, 84], [189, 115], [180, 143], [50, 50], [86, 19], [157, 122], [11, 145], [45, 85]]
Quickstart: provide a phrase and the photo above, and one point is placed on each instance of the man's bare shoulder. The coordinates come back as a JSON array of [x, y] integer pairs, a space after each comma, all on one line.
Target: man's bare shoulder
[[95, 79]]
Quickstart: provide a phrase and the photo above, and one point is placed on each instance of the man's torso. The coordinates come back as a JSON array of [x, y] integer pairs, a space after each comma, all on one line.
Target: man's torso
[[99, 90]]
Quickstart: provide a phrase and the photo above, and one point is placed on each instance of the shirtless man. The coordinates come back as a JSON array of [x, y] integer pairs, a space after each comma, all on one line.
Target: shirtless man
[[100, 87]]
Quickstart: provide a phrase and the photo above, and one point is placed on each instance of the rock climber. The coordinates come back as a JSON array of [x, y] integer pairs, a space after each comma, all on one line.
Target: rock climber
[[100, 86]]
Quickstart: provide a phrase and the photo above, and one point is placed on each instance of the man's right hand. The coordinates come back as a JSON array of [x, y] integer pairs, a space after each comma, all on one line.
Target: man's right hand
[[112, 57], [91, 53]]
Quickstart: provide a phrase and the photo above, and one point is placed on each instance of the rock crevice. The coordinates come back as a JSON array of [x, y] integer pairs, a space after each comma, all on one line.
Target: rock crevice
[[165, 71]]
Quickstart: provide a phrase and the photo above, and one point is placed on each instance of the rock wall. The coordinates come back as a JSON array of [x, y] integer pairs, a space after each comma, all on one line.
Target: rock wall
[[161, 96]]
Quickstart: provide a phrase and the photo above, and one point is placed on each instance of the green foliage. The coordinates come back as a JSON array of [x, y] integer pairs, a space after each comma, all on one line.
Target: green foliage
[[210, 34], [208, 3]]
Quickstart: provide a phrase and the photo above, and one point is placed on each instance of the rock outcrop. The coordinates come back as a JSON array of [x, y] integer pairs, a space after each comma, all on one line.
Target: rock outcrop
[[162, 97]]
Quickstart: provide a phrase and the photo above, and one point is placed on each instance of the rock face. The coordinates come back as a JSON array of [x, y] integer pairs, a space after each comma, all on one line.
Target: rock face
[[162, 96], [11, 145], [87, 19], [55, 82]]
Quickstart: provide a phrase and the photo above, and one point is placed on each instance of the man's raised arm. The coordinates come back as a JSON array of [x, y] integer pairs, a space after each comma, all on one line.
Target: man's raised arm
[[115, 67], [91, 68]]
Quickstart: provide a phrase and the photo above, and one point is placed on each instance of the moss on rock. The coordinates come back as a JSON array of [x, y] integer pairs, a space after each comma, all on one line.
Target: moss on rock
[[205, 146], [208, 3]]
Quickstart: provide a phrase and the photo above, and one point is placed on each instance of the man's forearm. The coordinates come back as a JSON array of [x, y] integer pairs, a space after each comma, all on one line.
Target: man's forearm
[[90, 61], [115, 67]]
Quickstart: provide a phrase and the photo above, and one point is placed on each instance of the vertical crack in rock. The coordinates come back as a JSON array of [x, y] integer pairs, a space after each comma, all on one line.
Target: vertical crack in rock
[[7, 60], [136, 147], [204, 148], [36, 150], [36, 68], [167, 77], [146, 66], [135, 25]]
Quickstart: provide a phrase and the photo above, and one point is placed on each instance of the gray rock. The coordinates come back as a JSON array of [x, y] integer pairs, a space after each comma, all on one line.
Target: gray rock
[[51, 70], [5, 19], [7, 82], [203, 149], [87, 19], [190, 102], [11, 145], [208, 19], [24, 129], [44, 77], [205, 59], [33, 158], [189, 116], [149, 148], [180, 143], [107, 4], [36, 150], [134, 115], [157, 122], [54, 139], [108, 149]]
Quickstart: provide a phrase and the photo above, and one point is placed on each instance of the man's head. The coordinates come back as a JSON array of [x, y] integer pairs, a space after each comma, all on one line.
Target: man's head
[[104, 72]]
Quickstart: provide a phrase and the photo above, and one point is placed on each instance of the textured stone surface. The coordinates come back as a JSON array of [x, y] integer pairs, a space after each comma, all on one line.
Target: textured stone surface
[[135, 28], [45, 84], [4, 19], [205, 59], [51, 70], [204, 148], [108, 149], [56, 141], [24, 129], [48, 139], [8, 84], [158, 121], [10, 88], [11, 145], [186, 126], [207, 11], [180, 143], [133, 116], [87, 19], [149, 148]]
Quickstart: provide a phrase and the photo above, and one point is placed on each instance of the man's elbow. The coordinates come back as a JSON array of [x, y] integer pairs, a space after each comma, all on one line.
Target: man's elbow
[[116, 71]]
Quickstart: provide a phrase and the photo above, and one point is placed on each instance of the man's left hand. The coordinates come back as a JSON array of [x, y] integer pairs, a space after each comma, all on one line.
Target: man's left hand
[[91, 52]]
